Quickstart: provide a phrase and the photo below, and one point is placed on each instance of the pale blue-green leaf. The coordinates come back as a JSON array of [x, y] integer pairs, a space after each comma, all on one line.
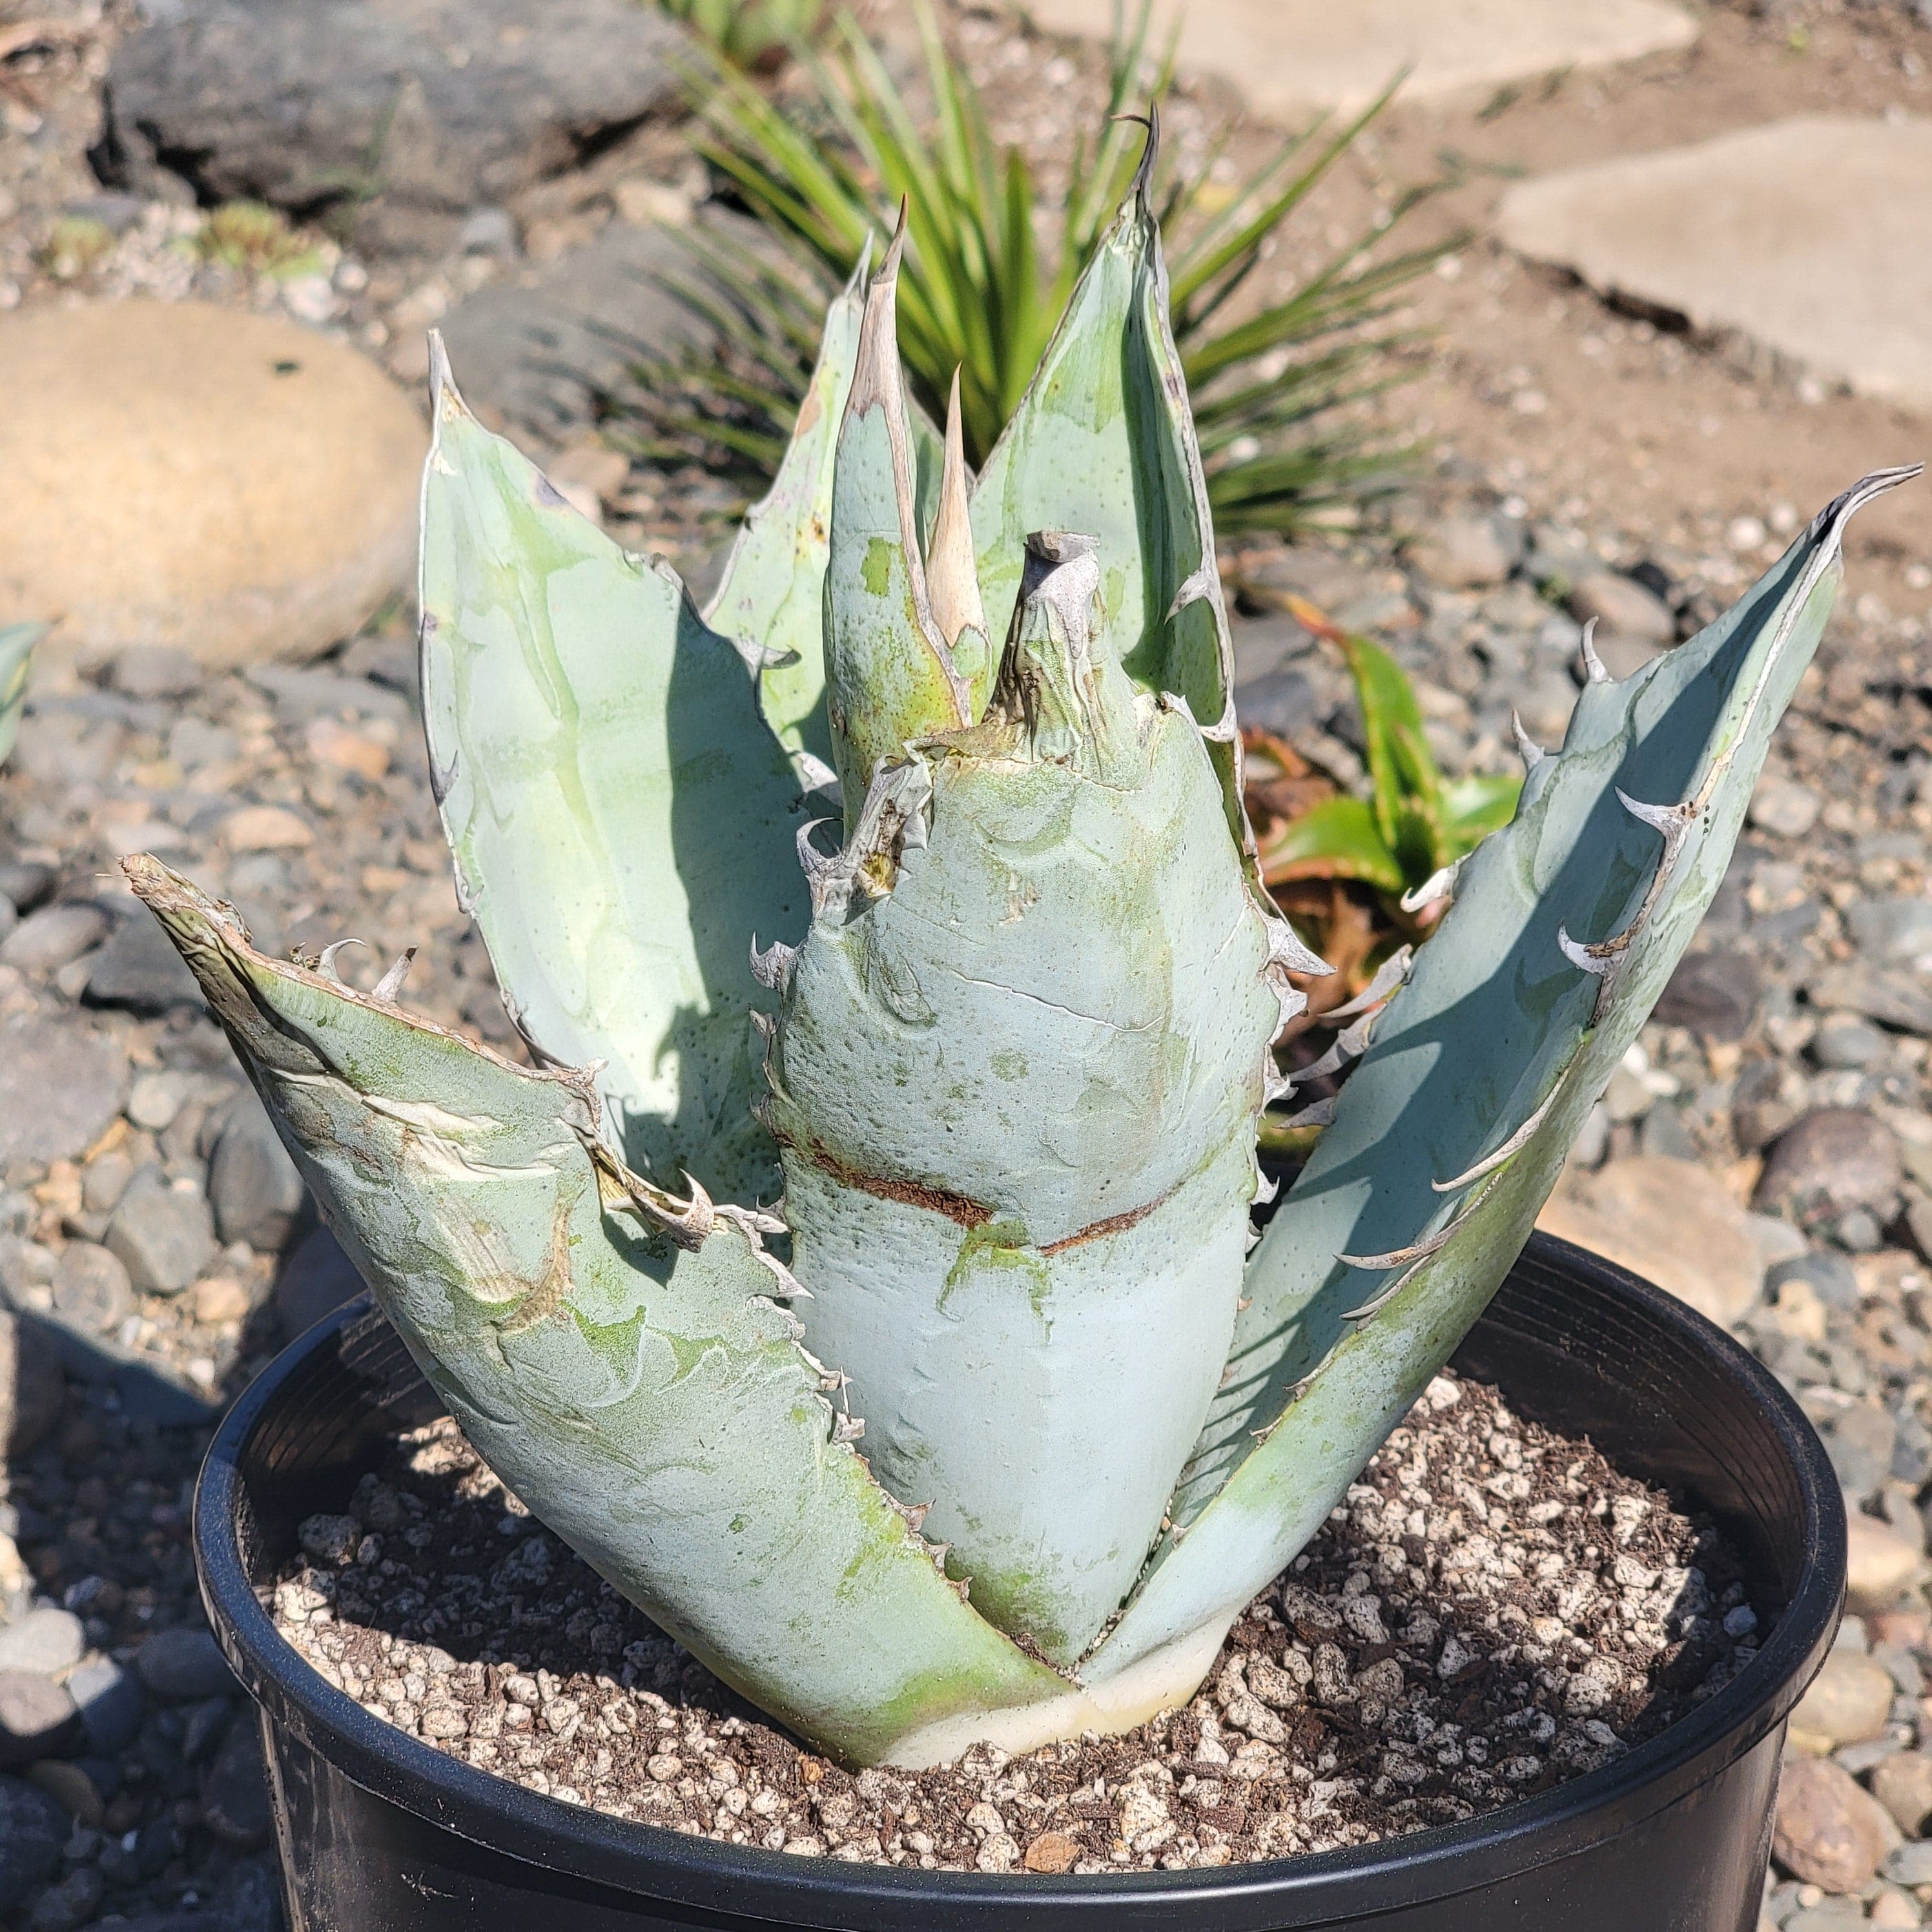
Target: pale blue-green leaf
[[622, 818], [1102, 444], [771, 599], [649, 1402], [1016, 1095], [889, 676], [1498, 1045]]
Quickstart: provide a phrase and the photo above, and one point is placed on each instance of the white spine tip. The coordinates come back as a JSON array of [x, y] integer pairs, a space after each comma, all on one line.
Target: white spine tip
[[1579, 955], [1594, 670]]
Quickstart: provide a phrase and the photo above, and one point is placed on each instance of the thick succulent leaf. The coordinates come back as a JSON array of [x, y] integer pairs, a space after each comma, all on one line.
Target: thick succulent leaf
[[771, 600], [16, 650], [623, 819], [1451, 1132], [1103, 443], [643, 1393], [890, 674], [1015, 1079]]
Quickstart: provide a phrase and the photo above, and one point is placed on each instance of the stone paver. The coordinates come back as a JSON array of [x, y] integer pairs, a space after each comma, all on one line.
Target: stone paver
[[1289, 55], [1806, 237]]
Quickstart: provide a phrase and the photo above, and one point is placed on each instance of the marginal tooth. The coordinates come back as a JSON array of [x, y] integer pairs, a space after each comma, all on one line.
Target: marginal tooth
[[1389, 975], [848, 1428], [815, 774], [1438, 886], [916, 1514], [1527, 749], [688, 1223], [1192, 589], [1347, 1045], [1253, 1239], [326, 965], [817, 865], [754, 1221], [764, 1025], [1594, 667], [1588, 959], [1515, 1144], [1316, 1113], [953, 579], [1378, 1302], [391, 983], [892, 819], [1276, 1085], [1670, 820], [1286, 950], [1267, 1186], [1419, 1251], [773, 968]]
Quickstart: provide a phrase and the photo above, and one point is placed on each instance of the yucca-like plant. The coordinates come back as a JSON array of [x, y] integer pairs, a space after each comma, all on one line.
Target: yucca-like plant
[[16, 650], [965, 1108], [993, 260]]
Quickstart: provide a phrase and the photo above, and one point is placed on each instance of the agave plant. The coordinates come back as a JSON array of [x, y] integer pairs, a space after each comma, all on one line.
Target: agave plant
[[941, 1398], [17, 649]]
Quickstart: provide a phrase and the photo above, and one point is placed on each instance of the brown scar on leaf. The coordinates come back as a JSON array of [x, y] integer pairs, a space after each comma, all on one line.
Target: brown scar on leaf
[[1114, 1224], [542, 1300], [960, 1207]]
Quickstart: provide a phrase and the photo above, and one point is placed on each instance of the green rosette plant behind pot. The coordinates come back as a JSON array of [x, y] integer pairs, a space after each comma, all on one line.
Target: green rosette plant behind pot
[[862, 1278]]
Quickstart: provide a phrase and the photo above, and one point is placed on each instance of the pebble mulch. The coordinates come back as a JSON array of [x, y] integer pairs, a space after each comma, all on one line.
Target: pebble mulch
[[1492, 1610]]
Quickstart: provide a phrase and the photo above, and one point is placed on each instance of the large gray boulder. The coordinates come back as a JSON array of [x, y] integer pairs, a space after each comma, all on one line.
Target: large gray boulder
[[411, 111]]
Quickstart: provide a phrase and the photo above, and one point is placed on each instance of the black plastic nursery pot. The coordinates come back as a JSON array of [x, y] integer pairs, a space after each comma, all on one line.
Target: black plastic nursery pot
[[378, 1832]]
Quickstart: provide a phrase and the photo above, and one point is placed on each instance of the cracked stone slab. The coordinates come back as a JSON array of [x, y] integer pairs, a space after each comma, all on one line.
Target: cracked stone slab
[[1287, 56], [1805, 238]]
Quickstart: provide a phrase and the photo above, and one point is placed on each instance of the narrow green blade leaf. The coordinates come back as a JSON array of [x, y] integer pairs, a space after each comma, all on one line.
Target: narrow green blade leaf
[[1401, 767], [771, 600], [626, 1372], [1452, 1130], [16, 650], [622, 818]]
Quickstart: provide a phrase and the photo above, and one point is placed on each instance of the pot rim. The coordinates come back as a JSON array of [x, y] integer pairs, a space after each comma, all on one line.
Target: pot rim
[[652, 1861]]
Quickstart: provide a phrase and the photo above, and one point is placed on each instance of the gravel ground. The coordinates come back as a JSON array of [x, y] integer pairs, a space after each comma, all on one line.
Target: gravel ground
[[1493, 1610]]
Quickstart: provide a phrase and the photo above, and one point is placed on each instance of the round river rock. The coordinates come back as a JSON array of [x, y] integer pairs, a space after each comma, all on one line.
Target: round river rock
[[184, 474]]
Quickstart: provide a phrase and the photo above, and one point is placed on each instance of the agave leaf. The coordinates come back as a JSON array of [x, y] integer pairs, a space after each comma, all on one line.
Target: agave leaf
[[1450, 1134], [1102, 443], [619, 1364], [1015, 1079], [17, 649], [620, 815], [891, 677], [770, 601]]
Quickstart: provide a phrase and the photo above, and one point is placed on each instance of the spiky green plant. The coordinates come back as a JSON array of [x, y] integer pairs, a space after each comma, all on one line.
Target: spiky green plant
[[1019, 981], [1415, 825], [749, 33], [16, 650], [1274, 385]]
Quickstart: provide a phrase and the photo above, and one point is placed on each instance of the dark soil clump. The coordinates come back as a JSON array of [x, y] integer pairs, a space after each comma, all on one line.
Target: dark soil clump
[[1491, 1611]]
